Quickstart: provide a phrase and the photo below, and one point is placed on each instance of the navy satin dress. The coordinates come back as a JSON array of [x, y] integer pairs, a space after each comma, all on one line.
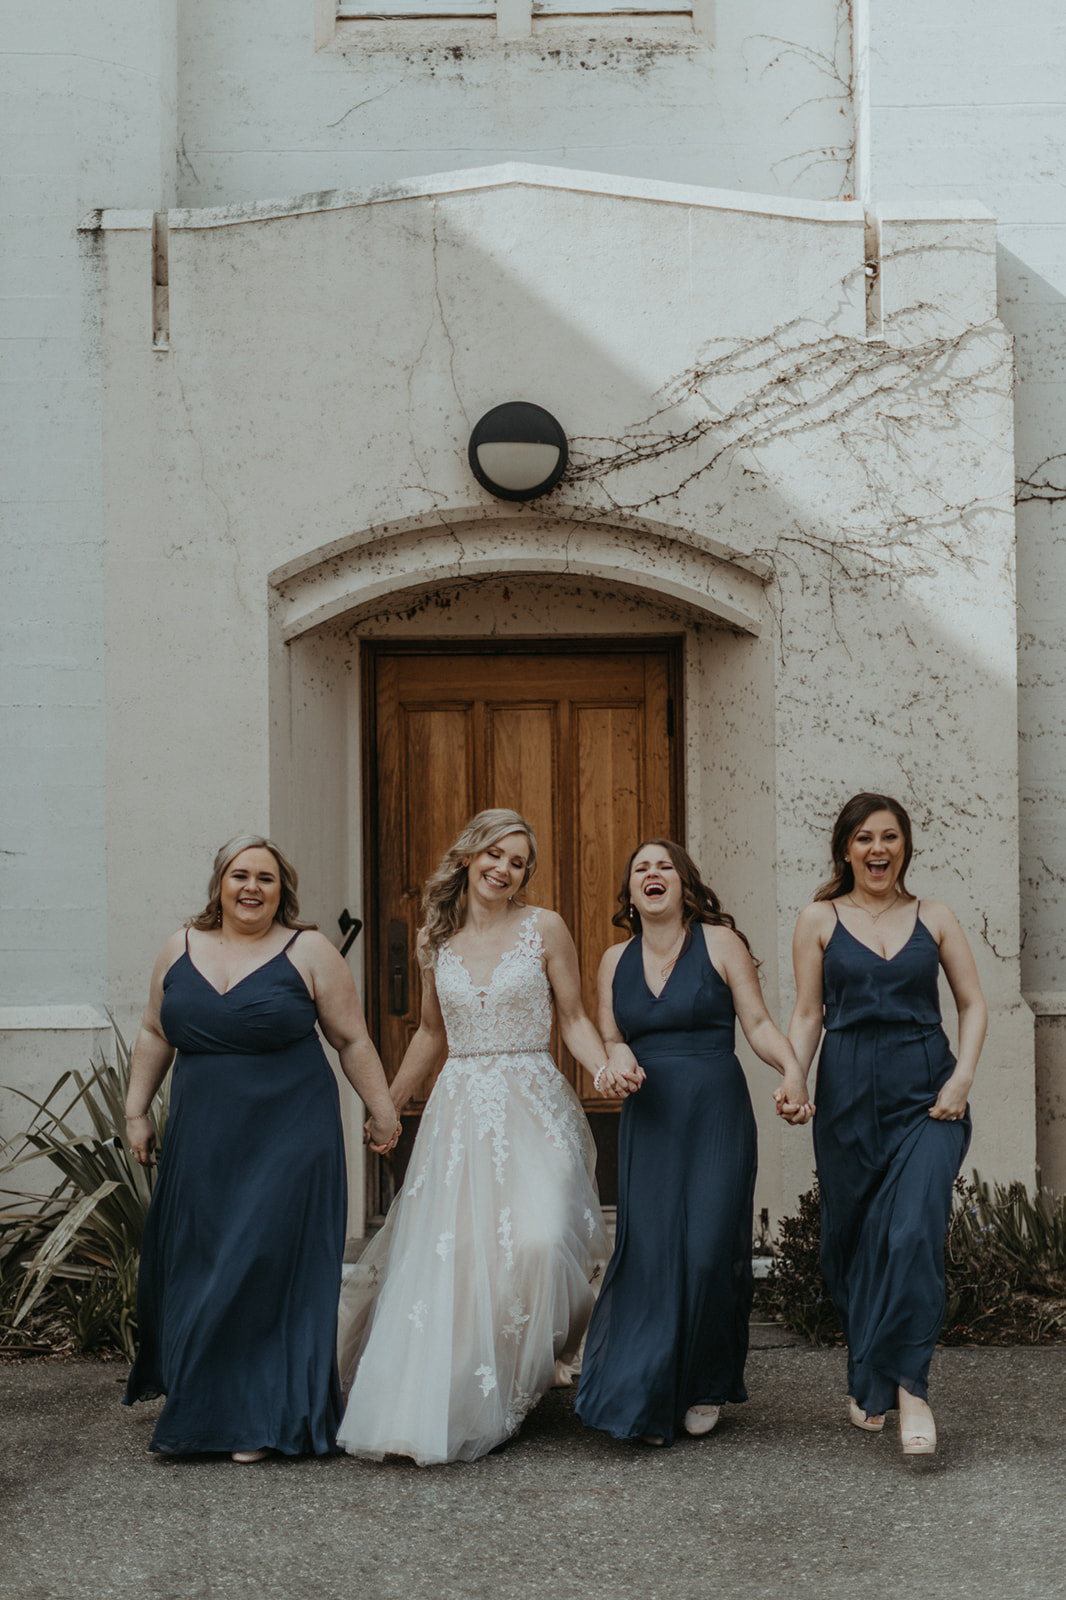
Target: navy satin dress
[[670, 1328], [241, 1257], [885, 1167]]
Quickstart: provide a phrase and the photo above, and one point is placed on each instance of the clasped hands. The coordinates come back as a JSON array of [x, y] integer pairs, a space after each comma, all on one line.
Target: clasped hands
[[380, 1142], [792, 1101], [622, 1075]]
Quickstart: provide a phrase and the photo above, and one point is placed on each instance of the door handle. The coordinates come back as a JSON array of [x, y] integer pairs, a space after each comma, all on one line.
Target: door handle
[[397, 961], [351, 927]]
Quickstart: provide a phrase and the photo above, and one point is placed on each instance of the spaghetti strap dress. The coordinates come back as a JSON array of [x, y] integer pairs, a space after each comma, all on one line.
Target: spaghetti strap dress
[[885, 1167], [670, 1328], [241, 1256]]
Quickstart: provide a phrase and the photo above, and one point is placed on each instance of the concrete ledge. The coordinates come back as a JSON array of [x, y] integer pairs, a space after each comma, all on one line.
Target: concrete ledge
[[51, 1019]]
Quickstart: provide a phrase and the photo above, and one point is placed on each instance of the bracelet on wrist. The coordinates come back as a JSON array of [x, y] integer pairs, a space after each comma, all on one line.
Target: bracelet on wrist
[[598, 1075]]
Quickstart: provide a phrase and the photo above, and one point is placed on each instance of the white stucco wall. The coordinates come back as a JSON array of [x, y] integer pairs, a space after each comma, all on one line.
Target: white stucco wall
[[764, 106], [969, 99], [842, 503], [175, 101], [87, 110]]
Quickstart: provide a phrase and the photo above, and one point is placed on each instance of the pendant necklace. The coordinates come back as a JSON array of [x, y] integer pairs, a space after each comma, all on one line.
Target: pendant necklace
[[873, 915]]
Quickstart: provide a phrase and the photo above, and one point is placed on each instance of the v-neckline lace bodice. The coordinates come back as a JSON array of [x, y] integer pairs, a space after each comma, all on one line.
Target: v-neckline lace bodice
[[513, 1012]]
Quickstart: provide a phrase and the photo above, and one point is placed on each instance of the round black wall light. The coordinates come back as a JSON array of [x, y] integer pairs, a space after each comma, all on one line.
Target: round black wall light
[[518, 451]]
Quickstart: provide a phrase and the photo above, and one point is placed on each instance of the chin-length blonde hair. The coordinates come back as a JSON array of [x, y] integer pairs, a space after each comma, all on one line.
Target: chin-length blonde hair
[[444, 897], [288, 912]]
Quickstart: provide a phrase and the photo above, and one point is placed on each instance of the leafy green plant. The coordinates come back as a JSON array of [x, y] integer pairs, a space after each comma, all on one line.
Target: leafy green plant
[[87, 1233], [100, 1312], [795, 1292], [1005, 1260], [1006, 1264]]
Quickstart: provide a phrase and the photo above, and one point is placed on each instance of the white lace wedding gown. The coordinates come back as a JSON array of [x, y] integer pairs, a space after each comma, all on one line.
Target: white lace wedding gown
[[479, 1278]]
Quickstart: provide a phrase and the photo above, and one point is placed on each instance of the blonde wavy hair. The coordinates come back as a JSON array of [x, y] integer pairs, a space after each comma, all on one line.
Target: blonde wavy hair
[[444, 897], [288, 912]]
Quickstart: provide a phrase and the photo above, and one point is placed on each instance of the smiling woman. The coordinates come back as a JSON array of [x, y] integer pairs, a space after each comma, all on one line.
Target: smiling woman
[[241, 1258], [473, 1298], [669, 1336], [893, 1122]]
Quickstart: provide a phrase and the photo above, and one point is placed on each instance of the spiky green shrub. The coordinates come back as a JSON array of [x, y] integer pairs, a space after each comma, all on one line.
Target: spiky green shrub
[[1005, 1261], [795, 1292], [1006, 1264], [82, 1241]]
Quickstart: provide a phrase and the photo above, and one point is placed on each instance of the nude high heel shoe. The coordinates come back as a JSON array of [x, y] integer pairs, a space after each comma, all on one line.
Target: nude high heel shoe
[[701, 1419], [858, 1417]]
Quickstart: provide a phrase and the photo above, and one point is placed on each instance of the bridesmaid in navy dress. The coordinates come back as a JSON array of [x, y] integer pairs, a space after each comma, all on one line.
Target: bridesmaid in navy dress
[[893, 1123], [241, 1256], [669, 1335]]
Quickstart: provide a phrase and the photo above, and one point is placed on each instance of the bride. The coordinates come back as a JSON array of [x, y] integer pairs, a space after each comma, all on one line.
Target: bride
[[478, 1284]]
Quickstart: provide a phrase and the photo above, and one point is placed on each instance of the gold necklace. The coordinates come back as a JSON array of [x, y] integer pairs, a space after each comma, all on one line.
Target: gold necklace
[[874, 916], [680, 941]]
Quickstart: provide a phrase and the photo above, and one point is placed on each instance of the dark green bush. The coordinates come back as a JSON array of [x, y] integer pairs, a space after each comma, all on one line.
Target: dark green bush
[[1005, 1259], [795, 1291], [68, 1261]]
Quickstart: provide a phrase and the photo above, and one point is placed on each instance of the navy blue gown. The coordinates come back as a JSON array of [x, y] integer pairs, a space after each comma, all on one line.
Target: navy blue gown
[[241, 1257], [670, 1328], [885, 1167]]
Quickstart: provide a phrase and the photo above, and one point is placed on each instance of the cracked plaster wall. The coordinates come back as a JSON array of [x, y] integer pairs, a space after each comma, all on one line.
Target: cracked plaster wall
[[86, 112], [766, 107], [287, 465], [993, 128], [146, 105]]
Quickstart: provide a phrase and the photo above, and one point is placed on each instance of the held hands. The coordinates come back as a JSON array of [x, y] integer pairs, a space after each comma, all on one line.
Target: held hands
[[382, 1135], [792, 1100], [141, 1138], [621, 1075]]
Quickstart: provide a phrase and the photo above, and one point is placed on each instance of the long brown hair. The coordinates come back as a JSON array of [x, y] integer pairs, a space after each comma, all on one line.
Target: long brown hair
[[444, 897], [853, 814], [288, 912], [699, 903]]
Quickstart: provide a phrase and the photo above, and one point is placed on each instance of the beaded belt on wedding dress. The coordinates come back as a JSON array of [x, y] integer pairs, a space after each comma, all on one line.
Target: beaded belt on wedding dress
[[519, 1050]]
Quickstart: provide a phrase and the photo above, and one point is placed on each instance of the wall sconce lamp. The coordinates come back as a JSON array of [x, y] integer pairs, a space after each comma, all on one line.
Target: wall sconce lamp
[[518, 451]]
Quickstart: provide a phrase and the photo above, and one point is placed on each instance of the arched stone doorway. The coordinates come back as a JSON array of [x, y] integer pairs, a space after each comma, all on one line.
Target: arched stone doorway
[[516, 616]]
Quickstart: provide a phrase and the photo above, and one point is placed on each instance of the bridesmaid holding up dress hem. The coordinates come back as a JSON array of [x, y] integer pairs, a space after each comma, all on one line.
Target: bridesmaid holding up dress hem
[[893, 1123]]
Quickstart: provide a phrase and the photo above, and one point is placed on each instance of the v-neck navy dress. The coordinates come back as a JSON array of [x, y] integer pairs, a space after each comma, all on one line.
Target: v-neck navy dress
[[885, 1167], [241, 1257], [670, 1328]]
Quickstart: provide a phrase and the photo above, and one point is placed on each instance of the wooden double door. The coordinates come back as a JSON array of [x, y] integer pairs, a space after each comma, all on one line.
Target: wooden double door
[[580, 738]]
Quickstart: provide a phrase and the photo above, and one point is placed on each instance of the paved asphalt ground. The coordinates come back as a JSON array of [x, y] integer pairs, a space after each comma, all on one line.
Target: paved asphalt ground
[[785, 1501]]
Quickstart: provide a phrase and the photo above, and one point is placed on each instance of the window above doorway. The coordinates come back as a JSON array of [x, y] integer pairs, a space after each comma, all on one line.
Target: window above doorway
[[518, 19]]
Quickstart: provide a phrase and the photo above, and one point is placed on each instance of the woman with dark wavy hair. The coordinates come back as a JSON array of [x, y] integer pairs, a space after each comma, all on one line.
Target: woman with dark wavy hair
[[893, 1122], [669, 1336], [241, 1257]]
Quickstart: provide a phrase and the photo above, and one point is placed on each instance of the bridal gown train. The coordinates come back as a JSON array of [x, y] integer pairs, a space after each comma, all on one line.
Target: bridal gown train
[[452, 1321]]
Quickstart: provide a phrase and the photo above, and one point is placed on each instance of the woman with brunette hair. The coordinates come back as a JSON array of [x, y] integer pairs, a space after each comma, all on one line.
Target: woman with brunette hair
[[669, 1335], [893, 1123], [241, 1256], [478, 1284]]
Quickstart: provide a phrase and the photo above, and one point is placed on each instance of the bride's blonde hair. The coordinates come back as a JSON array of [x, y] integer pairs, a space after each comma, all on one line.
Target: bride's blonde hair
[[444, 897]]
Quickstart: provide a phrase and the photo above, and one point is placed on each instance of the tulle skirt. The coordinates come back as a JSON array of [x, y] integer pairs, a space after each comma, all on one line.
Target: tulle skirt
[[479, 1280]]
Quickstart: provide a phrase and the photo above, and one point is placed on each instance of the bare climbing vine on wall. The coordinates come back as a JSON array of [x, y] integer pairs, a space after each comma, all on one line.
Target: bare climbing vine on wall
[[1045, 485], [833, 70], [872, 404]]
